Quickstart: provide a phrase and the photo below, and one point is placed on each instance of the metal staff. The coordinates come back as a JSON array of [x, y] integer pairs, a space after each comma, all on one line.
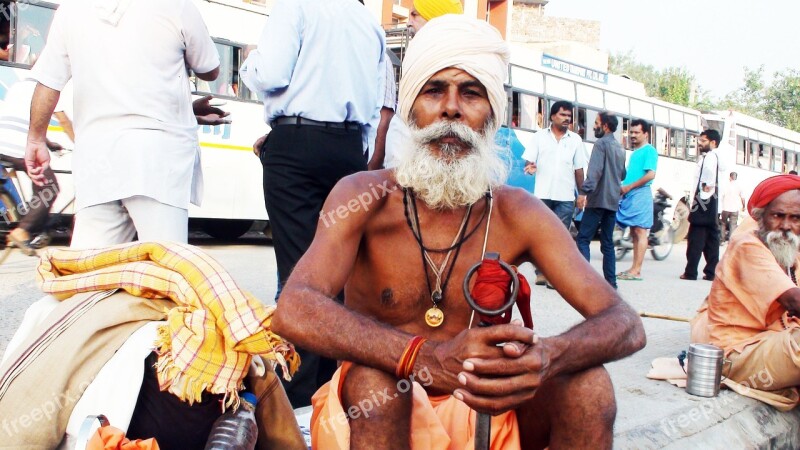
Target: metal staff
[[483, 425]]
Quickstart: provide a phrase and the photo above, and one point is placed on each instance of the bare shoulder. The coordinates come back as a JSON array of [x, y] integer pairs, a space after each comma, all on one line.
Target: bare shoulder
[[360, 193], [515, 202]]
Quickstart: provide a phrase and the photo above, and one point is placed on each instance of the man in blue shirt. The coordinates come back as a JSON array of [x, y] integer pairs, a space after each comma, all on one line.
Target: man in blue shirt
[[636, 207], [319, 67]]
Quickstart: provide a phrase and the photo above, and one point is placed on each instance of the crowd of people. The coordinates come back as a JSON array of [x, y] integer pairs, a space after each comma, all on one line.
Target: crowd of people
[[373, 303]]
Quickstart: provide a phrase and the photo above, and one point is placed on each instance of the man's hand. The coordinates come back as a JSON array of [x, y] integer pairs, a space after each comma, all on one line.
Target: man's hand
[[37, 159], [207, 114], [625, 189], [493, 369], [530, 168], [581, 203], [258, 144]]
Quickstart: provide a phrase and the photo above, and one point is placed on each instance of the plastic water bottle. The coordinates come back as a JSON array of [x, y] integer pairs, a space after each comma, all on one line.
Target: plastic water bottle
[[235, 430]]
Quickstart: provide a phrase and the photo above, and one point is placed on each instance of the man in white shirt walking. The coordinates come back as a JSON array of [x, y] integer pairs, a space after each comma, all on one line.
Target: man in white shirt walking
[[136, 164], [556, 156], [320, 69], [703, 237], [732, 203]]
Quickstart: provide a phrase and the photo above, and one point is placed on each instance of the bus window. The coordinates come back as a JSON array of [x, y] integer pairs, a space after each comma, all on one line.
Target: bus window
[[777, 160], [526, 111], [584, 124], [28, 33], [763, 156], [752, 161], [676, 143], [661, 141], [624, 126], [227, 84], [788, 161], [741, 151], [579, 123], [691, 146]]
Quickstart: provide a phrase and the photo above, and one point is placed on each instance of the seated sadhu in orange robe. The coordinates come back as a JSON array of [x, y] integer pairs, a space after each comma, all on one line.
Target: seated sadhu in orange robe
[[754, 300], [405, 314]]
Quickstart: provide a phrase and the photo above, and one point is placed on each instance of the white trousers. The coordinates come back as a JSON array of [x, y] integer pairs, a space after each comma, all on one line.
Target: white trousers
[[119, 221]]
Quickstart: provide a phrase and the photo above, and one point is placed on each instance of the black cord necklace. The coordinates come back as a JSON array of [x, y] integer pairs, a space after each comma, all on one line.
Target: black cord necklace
[[434, 315], [407, 192]]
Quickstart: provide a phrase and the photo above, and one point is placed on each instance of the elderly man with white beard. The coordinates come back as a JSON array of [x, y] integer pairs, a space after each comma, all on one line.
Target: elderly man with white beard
[[415, 364], [753, 308]]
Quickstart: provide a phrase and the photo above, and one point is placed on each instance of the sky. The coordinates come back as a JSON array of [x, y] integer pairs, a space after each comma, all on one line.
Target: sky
[[713, 39]]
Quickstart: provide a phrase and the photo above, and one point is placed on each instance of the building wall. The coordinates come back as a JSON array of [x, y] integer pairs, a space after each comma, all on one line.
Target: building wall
[[529, 24]]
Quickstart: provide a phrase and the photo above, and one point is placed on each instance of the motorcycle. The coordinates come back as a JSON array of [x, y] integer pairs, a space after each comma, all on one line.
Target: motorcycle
[[662, 234]]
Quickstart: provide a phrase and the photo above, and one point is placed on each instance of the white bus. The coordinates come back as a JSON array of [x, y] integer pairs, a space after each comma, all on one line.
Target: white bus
[[757, 149], [753, 148], [233, 195]]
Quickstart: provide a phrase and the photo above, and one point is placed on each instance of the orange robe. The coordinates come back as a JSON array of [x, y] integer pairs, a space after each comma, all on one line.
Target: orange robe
[[743, 317], [436, 422], [742, 305]]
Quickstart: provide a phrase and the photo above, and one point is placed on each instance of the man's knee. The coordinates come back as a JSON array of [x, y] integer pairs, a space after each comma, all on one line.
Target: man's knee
[[591, 395], [368, 392]]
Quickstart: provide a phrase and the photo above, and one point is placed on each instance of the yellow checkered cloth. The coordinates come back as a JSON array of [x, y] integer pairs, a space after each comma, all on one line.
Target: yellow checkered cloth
[[209, 337]]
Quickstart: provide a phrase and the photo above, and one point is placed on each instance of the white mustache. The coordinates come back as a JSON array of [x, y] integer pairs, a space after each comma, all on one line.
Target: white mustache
[[433, 133]]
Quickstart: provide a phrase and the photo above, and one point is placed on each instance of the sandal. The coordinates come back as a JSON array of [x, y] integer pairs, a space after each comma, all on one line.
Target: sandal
[[628, 276]]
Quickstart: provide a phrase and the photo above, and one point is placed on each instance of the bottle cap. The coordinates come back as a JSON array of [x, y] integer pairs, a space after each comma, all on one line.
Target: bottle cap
[[249, 397]]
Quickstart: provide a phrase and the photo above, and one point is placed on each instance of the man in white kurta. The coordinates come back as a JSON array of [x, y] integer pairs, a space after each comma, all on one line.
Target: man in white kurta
[[136, 163]]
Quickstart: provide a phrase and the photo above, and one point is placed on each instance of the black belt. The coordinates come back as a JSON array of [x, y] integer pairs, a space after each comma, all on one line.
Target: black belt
[[297, 120]]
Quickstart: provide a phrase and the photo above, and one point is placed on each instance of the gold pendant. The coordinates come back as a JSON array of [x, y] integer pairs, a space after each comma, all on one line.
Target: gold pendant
[[434, 317]]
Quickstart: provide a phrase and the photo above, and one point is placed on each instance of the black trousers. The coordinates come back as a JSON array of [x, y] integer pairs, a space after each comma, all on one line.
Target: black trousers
[[175, 424], [301, 164], [705, 241]]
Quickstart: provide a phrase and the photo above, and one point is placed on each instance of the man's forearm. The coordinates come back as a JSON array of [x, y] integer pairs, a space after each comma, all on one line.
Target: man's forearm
[[642, 181], [579, 179], [317, 323], [42, 106], [613, 334]]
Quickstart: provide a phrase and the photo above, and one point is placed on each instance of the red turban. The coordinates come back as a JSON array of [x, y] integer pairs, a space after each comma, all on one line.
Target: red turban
[[769, 189]]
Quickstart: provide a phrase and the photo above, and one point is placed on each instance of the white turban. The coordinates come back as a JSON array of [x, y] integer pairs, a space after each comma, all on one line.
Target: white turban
[[460, 42]]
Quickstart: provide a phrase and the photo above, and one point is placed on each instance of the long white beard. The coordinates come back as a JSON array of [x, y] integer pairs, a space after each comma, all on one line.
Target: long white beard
[[457, 177], [783, 245]]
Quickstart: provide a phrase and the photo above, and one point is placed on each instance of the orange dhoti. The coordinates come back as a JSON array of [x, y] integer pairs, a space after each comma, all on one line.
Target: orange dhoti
[[442, 422]]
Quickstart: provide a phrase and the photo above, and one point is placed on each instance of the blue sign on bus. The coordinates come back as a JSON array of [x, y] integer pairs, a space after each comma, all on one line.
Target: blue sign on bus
[[574, 69]]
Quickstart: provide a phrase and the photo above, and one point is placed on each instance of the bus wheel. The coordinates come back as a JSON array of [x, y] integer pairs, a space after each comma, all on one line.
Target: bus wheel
[[226, 229]]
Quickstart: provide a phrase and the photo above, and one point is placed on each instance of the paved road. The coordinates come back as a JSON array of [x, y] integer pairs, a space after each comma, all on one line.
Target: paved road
[[640, 402], [251, 261]]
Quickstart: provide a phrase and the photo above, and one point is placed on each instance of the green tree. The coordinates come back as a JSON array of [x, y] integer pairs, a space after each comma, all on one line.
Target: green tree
[[673, 84], [782, 99], [750, 98]]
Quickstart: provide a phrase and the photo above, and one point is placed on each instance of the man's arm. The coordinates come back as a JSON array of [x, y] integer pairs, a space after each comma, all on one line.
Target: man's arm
[[269, 66], [376, 162], [650, 175], [37, 155], [612, 330], [595, 169], [201, 53], [594, 172]]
